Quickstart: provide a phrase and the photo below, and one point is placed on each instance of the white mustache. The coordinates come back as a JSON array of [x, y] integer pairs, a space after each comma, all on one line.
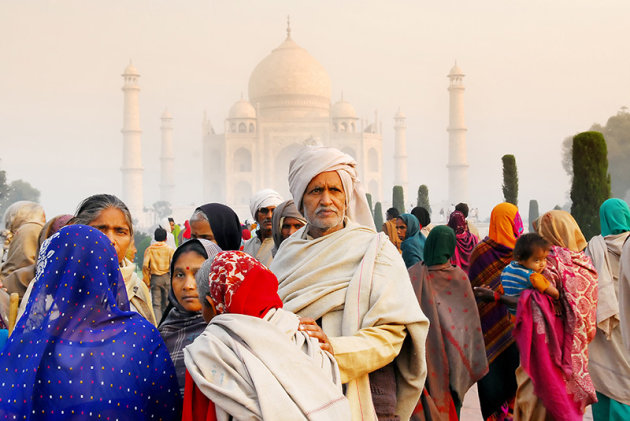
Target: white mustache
[[326, 208]]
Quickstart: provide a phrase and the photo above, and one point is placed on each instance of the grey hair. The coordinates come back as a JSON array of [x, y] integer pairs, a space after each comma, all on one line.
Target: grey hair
[[91, 208], [202, 277], [199, 214]]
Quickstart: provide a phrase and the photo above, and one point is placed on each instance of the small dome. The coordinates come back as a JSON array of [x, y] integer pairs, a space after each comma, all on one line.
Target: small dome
[[456, 71], [166, 114], [343, 109], [131, 71], [399, 114], [242, 109]]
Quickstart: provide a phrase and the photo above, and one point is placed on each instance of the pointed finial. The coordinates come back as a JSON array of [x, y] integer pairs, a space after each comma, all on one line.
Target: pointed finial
[[241, 95], [342, 95], [288, 26]]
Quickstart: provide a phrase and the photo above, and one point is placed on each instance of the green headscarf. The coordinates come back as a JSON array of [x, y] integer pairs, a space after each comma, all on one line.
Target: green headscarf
[[614, 217], [440, 245]]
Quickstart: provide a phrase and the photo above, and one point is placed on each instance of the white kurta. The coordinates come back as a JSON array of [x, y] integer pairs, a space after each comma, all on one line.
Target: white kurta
[[261, 251]]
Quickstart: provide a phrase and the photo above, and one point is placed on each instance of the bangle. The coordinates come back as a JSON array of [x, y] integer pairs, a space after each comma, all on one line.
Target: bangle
[[496, 297]]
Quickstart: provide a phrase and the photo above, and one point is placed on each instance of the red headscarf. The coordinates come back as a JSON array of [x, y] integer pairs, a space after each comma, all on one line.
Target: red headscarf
[[187, 231], [240, 284]]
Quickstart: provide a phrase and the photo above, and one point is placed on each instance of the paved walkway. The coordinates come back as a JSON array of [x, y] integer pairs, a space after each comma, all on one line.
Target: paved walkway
[[471, 411]]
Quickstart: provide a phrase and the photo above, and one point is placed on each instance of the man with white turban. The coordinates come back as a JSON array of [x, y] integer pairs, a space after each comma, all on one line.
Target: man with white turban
[[262, 205], [351, 288]]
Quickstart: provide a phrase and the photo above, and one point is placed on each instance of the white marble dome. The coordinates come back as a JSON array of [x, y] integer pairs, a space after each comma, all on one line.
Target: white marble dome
[[290, 77], [343, 109], [242, 109]]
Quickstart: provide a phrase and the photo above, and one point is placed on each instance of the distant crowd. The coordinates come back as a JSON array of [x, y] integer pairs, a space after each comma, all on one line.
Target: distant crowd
[[309, 313]]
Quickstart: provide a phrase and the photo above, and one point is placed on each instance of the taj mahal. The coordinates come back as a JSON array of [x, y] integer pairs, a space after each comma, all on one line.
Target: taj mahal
[[289, 105]]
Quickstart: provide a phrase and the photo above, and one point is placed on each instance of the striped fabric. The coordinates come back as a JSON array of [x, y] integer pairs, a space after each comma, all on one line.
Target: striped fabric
[[515, 279]]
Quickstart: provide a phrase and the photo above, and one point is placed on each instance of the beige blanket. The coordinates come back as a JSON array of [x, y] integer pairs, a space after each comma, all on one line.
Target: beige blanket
[[265, 369], [609, 360], [356, 282]]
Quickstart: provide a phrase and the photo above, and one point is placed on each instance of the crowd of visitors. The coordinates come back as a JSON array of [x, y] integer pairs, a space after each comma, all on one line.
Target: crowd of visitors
[[309, 313]]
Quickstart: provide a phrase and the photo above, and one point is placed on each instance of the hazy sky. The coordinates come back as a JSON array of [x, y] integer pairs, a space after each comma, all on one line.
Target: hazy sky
[[536, 72]]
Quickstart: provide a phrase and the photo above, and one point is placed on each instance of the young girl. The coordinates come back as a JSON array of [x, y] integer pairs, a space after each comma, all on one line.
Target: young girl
[[525, 271]]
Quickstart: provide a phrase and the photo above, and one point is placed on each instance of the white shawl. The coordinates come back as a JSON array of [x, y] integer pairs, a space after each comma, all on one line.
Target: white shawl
[[336, 273], [265, 369], [609, 360], [600, 250]]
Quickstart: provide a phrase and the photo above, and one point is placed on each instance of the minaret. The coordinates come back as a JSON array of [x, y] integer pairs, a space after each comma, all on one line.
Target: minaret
[[132, 144], [167, 160], [400, 153], [457, 163]]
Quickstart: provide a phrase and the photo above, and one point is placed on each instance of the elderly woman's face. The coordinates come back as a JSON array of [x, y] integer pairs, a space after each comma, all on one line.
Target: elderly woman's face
[[184, 284], [113, 224], [324, 203], [200, 229]]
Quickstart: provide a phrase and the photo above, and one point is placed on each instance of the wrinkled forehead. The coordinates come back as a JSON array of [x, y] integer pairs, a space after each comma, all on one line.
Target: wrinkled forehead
[[328, 178]]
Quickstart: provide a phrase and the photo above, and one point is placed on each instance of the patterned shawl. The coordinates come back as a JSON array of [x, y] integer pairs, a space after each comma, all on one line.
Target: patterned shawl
[[574, 272], [544, 341], [466, 241], [455, 346], [486, 263], [77, 349]]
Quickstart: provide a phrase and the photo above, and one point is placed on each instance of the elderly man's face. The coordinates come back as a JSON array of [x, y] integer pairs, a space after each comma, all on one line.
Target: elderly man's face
[[324, 204]]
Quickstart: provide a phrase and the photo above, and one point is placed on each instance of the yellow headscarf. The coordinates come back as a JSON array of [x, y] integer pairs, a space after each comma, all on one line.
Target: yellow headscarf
[[560, 229], [505, 224]]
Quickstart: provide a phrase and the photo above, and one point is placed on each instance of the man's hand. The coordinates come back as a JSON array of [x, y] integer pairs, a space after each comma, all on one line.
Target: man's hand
[[313, 330]]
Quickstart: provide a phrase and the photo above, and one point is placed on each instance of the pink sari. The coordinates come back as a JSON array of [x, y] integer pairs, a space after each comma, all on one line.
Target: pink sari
[[544, 343], [554, 350]]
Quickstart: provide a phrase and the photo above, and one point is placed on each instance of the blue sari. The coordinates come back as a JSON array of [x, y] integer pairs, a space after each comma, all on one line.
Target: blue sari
[[77, 352]]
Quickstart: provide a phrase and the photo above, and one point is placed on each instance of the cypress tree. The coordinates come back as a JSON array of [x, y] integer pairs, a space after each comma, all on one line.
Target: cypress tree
[[510, 179], [398, 199], [378, 216], [533, 214], [423, 198], [369, 200], [591, 181]]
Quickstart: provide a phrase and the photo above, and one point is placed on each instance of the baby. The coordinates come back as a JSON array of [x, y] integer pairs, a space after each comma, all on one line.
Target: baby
[[530, 259]]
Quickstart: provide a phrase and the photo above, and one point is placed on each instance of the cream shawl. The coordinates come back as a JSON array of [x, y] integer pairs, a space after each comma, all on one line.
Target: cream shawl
[[624, 295], [609, 360], [359, 275], [265, 369]]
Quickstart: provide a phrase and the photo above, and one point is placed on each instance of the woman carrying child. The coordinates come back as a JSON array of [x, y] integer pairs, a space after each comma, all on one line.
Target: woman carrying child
[[553, 379]]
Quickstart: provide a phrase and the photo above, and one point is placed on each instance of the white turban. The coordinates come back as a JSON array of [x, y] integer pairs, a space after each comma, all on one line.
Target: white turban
[[313, 160], [263, 199]]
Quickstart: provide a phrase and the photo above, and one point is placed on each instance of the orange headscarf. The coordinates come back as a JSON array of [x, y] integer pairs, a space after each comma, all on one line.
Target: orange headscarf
[[505, 224], [560, 229]]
